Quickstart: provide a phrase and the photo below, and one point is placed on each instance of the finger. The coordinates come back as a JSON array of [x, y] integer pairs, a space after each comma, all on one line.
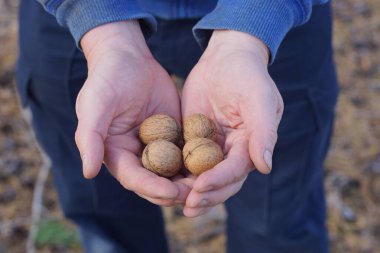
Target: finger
[[126, 168], [263, 122], [233, 169], [188, 181], [184, 185], [261, 148], [183, 190], [159, 202], [194, 212], [94, 119], [212, 198]]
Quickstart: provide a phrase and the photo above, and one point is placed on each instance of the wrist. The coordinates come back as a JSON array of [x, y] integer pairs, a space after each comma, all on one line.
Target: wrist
[[123, 35], [235, 40]]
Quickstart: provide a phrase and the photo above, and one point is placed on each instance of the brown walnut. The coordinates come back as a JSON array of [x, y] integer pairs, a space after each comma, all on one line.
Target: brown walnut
[[200, 155], [162, 157], [159, 126], [198, 126]]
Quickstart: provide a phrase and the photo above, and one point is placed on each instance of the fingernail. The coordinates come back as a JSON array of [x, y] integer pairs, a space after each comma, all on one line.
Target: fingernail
[[268, 159]]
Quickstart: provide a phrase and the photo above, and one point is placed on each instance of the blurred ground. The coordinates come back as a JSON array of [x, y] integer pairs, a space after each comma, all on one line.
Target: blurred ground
[[352, 168]]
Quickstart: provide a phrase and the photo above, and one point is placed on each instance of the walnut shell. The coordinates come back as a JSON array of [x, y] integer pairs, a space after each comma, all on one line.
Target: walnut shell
[[159, 126], [201, 154], [198, 126], [162, 157]]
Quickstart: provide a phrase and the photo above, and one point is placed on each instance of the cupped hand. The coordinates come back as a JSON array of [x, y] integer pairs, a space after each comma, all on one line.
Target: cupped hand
[[231, 85], [125, 85]]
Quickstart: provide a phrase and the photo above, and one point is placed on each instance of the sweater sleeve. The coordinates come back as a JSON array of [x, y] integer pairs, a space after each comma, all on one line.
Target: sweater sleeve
[[268, 20], [80, 16]]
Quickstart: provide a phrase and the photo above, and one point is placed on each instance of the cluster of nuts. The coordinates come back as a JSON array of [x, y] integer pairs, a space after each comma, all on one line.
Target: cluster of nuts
[[161, 134]]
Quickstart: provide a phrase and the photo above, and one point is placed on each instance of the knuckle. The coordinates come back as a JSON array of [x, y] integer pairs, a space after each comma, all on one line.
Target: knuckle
[[280, 109], [78, 138], [272, 135], [78, 102], [127, 182], [237, 175]]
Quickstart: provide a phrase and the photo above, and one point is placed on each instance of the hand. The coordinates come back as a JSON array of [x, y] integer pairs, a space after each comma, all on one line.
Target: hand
[[231, 85], [125, 85]]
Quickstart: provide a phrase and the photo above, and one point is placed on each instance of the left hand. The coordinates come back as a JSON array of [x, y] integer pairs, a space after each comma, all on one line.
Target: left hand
[[125, 85], [231, 85]]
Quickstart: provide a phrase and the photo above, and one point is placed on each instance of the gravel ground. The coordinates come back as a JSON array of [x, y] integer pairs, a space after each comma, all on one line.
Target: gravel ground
[[352, 169]]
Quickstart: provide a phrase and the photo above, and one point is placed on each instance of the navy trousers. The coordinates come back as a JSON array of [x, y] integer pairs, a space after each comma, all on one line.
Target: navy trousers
[[281, 212]]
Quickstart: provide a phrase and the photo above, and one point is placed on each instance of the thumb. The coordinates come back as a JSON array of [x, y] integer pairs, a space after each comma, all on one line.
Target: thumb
[[263, 121], [94, 119], [261, 146]]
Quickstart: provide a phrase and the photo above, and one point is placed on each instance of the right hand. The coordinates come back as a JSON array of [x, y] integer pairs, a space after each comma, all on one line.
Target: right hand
[[232, 86], [125, 85]]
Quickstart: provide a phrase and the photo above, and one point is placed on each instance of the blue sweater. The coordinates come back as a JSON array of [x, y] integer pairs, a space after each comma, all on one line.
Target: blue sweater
[[268, 20]]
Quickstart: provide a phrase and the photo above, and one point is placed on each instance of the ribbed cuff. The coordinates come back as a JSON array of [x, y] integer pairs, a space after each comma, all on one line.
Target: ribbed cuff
[[80, 16], [267, 20]]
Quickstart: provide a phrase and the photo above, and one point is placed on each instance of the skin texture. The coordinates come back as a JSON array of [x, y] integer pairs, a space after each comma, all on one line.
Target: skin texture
[[232, 87], [125, 86]]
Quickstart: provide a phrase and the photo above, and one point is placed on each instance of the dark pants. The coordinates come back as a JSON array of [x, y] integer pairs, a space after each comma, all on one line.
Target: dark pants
[[280, 212]]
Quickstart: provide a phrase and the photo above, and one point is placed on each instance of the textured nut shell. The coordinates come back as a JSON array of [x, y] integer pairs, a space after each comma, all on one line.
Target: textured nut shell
[[198, 126], [162, 157], [159, 126], [201, 154]]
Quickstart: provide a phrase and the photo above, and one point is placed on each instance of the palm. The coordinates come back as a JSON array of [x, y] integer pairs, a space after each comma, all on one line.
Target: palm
[[120, 93], [232, 89], [222, 107]]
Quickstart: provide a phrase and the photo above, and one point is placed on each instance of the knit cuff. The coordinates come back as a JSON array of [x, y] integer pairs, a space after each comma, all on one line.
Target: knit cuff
[[267, 20], [80, 16]]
